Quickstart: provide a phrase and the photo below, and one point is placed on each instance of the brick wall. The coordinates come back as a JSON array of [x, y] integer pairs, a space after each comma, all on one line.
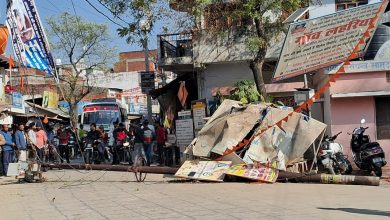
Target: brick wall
[[134, 61]]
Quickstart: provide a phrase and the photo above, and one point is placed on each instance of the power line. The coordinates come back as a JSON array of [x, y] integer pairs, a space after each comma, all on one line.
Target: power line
[[100, 12], [74, 9], [111, 11], [59, 10]]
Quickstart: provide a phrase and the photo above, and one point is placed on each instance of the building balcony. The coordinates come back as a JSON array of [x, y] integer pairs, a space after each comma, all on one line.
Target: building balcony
[[175, 52]]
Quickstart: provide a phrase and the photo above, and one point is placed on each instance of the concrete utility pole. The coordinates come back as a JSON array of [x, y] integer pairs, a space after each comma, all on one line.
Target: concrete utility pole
[[145, 26]]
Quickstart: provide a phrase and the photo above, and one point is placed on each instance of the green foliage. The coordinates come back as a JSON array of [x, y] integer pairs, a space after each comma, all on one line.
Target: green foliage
[[78, 41], [246, 92], [133, 14], [82, 46]]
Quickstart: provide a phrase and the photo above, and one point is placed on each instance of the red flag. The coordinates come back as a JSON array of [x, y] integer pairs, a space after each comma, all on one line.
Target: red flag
[[285, 119], [347, 62], [182, 94]]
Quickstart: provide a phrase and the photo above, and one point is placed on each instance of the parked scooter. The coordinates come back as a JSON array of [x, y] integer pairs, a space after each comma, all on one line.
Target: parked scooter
[[332, 157], [367, 155]]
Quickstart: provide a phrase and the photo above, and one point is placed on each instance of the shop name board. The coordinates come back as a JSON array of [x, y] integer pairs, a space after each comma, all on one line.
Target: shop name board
[[317, 43], [360, 67]]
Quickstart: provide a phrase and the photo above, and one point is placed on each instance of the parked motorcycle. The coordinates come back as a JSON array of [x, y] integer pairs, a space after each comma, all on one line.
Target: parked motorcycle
[[332, 157], [367, 155]]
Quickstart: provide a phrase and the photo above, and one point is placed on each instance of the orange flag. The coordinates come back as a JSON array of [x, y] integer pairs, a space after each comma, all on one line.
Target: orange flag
[[317, 95], [182, 94], [3, 39], [341, 70]]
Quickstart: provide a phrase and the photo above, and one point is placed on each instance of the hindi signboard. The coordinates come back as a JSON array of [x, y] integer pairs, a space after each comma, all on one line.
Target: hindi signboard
[[147, 81], [313, 44], [184, 132]]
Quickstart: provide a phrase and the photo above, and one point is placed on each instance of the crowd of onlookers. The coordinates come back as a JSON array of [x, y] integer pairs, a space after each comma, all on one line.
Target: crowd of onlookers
[[59, 143]]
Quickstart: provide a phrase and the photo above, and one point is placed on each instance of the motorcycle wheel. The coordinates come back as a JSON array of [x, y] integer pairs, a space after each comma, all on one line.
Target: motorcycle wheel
[[378, 171], [349, 169]]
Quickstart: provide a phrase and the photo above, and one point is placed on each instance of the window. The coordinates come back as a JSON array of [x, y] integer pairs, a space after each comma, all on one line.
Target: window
[[382, 105], [345, 4]]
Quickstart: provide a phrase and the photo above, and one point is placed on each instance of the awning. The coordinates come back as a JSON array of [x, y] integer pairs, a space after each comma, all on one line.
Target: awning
[[51, 113]]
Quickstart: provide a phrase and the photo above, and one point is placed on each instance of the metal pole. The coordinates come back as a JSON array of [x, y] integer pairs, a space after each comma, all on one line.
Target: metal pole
[[118, 168], [328, 179], [149, 98]]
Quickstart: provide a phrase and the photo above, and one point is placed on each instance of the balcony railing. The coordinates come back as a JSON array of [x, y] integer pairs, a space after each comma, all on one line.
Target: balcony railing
[[175, 45]]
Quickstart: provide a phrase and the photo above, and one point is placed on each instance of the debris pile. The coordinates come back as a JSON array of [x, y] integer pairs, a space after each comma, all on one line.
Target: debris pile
[[255, 142]]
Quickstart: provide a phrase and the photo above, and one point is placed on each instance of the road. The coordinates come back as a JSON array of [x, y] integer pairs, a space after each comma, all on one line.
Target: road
[[70, 194]]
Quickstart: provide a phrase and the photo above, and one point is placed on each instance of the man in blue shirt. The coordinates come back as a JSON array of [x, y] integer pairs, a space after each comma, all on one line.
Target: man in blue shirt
[[8, 148], [21, 143]]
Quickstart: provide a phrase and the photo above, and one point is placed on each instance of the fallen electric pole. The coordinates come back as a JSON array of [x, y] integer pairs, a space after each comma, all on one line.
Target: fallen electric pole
[[283, 176], [119, 168]]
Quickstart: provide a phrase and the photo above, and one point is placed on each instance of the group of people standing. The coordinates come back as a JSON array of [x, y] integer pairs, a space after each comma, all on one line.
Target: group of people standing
[[52, 143], [24, 142], [146, 140]]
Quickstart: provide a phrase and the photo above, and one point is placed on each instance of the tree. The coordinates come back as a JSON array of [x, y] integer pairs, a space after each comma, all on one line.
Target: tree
[[83, 46], [263, 24], [264, 18]]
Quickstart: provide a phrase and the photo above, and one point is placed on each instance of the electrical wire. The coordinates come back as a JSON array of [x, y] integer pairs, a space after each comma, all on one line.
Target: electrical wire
[[100, 12]]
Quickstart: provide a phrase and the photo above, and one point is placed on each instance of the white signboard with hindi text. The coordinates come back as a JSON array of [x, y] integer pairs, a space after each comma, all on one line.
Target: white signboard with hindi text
[[317, 43], [184, 132]]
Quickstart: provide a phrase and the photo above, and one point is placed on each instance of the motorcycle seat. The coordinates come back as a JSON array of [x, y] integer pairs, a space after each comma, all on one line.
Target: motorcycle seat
[[369, 145]]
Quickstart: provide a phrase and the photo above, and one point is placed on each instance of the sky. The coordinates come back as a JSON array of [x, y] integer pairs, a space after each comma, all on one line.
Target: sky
[[48, 8]]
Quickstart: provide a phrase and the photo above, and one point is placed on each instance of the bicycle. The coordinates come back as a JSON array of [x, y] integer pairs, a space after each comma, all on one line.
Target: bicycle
[[139, 160]]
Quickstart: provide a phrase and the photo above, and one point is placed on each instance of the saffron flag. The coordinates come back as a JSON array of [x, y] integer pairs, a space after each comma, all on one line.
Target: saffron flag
[[28, 38], [182, 94], [3, 39]]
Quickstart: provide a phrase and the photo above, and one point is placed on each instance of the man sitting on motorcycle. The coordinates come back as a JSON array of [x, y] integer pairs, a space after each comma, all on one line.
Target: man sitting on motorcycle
[[92, 139], [119, 139], [103, 143]]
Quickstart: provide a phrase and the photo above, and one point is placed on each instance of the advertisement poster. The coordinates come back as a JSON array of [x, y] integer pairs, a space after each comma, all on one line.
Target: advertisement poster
[[254, 172], [17, 100], [317, 43], [199, 113], [50, 99], [28, 38], [204, 170]]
